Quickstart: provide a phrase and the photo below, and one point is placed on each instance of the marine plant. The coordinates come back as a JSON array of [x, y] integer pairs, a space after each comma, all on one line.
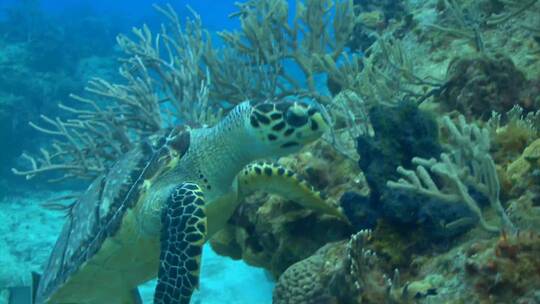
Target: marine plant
[[466, 165]]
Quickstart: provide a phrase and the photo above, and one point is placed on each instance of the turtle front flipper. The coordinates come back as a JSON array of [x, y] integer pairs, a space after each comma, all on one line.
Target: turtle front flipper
[[274, 178], [182, 237]]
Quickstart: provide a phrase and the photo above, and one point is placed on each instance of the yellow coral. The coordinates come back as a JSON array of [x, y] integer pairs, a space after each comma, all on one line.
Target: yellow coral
[[521, 166]]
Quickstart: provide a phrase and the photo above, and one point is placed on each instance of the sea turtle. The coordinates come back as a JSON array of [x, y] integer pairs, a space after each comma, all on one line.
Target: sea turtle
[[151, 213]]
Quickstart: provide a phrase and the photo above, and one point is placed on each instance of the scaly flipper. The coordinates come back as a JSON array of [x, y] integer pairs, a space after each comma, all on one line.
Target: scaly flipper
[[182, 237], [274, 178]]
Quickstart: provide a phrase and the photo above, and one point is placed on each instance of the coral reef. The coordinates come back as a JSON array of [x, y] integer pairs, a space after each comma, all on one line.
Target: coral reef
[[496, 270], [508, 271], [269, 232], [480, 84], [382, 70], [344, 272], [374, 17], [308, 281], [41, 61], [467, 165], [399, 133]]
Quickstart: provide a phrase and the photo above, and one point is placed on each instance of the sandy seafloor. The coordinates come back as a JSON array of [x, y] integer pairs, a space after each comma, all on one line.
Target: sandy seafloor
[[28, 232]]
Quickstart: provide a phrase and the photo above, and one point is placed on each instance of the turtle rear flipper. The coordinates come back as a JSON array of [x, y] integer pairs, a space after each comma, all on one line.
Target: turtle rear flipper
[[183, 233], [274, 178]]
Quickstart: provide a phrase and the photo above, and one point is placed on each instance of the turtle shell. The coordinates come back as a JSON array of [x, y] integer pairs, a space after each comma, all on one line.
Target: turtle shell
[[98, 213]]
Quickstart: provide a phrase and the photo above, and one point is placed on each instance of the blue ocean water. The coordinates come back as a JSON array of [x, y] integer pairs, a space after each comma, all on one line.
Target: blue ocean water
[[74, 40], [213, 12], [404, 144], [53, 38]]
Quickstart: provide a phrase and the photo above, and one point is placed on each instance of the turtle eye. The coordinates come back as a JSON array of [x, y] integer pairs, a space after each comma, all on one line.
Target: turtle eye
[[296, 118]]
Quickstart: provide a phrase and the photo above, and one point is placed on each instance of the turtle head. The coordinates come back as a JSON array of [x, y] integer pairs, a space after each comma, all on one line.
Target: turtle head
[[285, 127]]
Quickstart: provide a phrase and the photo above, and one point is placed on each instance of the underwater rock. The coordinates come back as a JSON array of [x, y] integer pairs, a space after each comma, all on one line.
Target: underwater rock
[[401, 133], [530, 97], [475, 270], [528, 161], [438, 220], [444, 220], [359, 211], [345, 272], [480, 84]]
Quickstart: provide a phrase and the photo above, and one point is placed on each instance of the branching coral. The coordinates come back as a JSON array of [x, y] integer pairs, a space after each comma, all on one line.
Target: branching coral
[[116, 116], [467, 165], [385, 75], [319, 30], [171, 61], [349, 114], [469, 19], [98, 134], [177, 75]]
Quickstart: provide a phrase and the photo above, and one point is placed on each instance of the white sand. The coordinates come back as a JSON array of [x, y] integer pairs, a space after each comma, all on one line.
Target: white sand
[[28, 232]]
